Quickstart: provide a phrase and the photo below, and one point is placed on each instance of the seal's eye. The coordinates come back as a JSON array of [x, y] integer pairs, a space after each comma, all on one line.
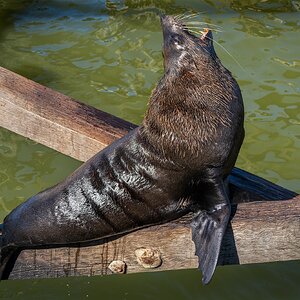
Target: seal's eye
[[177, 40]]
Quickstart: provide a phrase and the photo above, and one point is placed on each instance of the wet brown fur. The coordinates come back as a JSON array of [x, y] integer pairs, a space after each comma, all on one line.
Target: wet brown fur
[[192, 108]]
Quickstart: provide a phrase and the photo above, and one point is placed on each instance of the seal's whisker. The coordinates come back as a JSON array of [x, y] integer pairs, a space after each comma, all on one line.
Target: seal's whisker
[[212, 29], [179, 16], [216, 30], [227, 52], [202, 23], [189, 16], [196, 32], [182, 16], [194, 28], [200, 27]]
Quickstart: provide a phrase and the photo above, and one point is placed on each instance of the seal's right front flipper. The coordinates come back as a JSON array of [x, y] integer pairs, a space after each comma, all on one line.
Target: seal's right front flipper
[[208, 229]]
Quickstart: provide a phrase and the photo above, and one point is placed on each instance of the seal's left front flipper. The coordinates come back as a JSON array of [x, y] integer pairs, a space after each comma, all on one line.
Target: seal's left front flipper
[[208, 228]]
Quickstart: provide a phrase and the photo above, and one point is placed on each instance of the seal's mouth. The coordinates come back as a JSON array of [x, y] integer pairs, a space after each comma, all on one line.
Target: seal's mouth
[[181, 44]]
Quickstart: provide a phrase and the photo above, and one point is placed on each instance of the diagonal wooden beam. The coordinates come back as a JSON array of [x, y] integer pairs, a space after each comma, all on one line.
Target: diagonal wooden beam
[[55, 120]]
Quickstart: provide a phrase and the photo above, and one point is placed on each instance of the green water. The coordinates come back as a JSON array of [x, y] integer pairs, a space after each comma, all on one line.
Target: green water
[[109, 55]]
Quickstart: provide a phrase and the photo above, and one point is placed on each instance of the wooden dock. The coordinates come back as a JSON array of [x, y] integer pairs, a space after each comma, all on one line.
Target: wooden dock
[[265, 225]]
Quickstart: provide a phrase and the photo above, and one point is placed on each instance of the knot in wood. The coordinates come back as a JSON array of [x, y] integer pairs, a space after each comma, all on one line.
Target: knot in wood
[[117, 266], [148, 258]]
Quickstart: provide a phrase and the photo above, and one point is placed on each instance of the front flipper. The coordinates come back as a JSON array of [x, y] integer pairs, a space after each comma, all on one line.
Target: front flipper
[[208, 228]]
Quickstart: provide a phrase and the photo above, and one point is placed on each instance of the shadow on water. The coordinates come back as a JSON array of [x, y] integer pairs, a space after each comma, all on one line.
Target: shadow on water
[[8, 9], [37, 73]]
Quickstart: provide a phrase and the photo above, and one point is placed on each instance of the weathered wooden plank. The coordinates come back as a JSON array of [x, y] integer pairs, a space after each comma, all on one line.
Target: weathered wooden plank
[[259, 232], [55, 120]]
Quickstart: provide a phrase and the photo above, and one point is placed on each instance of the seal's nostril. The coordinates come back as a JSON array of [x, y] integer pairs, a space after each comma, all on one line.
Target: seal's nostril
[[162, 16]]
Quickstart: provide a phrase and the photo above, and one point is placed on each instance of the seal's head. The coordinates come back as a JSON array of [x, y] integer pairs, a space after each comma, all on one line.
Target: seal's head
[[183, 49]]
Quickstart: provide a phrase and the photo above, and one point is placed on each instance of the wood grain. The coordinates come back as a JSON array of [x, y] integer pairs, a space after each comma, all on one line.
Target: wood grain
[[55, 120]]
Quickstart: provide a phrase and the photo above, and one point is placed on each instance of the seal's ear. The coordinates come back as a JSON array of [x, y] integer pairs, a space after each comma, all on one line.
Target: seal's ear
[[207, 42], [207, 37]]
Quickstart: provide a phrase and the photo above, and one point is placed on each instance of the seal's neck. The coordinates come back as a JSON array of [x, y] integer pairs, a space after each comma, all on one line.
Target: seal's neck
[[186, 111], [192, 100]]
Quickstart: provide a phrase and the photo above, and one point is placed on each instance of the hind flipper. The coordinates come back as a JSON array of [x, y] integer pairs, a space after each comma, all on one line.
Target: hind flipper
[[208, 228], [6, 254]]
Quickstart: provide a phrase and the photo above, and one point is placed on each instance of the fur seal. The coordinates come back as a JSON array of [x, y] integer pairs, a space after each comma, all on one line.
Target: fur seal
[[177, 161]]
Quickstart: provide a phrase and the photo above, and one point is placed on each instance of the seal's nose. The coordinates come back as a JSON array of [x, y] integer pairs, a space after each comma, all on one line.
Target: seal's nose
[[165, 25], [166, 22], [169, 27], [163, 18]]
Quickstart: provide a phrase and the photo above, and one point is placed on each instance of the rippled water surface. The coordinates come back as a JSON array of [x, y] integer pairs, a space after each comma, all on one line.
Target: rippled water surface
[[108, 54]]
